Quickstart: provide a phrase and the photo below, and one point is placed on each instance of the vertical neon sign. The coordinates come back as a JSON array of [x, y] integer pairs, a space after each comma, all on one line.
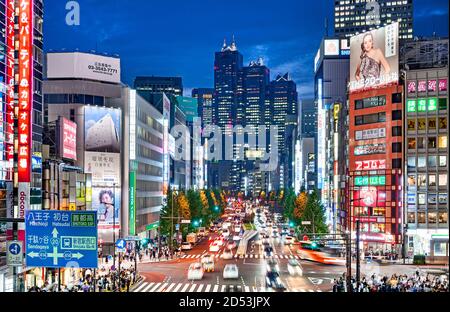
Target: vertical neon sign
[[9, 140], [25, 89]]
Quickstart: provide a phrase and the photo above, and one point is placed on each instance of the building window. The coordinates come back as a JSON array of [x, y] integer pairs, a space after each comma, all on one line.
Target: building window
[[411, 162], [442, 103], [442, 123], [421, 217], [443, 217], [412, 180], [411, 217], [411, 143], [369, 119], [432, 180], [411, 124], [396, 98], [443, 198], [442, 141], [432, 160], [432, 142], [397, 115], [421, 162], [397, 131], [421, 124], [421, 142], [421, 180], [442, 161], [397, 147], [443, 179], [397, 163], [432, 124], [432, 217]]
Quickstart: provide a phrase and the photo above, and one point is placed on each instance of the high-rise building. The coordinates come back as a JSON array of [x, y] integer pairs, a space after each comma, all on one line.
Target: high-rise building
[[331, 78], [204, 98], [426, 149], [155, 84], [352, 17], [308, 118]]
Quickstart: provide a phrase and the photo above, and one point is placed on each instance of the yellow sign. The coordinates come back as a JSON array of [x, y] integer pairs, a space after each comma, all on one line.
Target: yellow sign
[[72, 206], [336, 110]]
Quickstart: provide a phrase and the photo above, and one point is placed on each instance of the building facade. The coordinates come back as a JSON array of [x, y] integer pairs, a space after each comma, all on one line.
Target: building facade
[[353, 16], [155, 84], [204, 98]]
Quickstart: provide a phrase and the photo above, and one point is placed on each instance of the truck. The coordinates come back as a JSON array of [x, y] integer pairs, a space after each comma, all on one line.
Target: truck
[[191, 238]]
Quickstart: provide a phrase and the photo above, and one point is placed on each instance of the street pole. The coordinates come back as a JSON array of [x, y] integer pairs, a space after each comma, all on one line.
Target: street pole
[[114, 236], [15, 229], [135, 260], [357, 255], [59, 279], [119, 274], [171, 227]]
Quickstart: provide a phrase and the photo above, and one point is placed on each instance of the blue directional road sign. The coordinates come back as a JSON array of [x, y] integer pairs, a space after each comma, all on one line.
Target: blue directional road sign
[[58, 239], [121, 243]]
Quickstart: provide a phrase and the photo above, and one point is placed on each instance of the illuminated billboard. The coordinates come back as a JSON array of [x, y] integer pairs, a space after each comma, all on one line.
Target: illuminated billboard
[[67, 139], [374, 58], [84, 66], [369, 197], [102, 129], [370, 149]]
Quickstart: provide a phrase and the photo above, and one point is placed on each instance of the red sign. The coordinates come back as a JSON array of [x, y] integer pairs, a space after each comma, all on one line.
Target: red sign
[[369, 197], [25, 96], [371, 164], [442, 85], [377, 237], [68, 137], [9, 139], [432, 85], [422, 86], [411, 86], [366, 219]]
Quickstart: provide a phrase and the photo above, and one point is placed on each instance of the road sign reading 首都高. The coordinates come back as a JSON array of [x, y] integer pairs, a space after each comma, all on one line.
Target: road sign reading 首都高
[[57, 239]]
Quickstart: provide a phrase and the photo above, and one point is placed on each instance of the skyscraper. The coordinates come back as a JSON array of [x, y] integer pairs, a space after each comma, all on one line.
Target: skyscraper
[[355, 16], [204, 98]]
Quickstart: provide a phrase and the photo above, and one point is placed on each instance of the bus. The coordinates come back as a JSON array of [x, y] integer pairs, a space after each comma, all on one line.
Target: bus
[[318, 252]]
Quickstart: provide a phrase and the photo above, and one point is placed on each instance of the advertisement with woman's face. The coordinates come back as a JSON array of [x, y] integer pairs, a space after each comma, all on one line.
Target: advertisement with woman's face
[[104, 202], [374, 58]]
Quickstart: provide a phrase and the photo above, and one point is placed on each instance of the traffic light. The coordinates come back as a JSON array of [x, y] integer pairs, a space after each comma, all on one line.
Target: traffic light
[[314, 245], [216, 208], [196, 223], [291, 223], [144, 242]]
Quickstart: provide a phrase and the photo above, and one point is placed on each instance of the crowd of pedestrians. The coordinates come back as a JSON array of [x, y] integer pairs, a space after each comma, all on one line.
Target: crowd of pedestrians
[[396, 283]]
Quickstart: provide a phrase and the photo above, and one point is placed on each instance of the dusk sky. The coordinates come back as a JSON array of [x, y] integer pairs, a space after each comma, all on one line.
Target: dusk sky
[[179, 37]]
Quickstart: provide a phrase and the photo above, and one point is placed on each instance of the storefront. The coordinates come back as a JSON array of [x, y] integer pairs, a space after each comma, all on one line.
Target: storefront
[[433, 243]]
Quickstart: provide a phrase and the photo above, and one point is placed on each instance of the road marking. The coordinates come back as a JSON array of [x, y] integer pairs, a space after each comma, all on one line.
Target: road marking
[[291, 256], [254, 289], [185, 287], [302, 290], [140, 287], [183, 256], [311, 290], [208, 287], [178, 287], [200, 287], [318, 290], [247, 289], [251, 256], [170, 287], [216, 288], [155, 287], [262, 288], [246, 256], [148, 287], [192, 287], [223, 288], [198, 256], [162, 287]]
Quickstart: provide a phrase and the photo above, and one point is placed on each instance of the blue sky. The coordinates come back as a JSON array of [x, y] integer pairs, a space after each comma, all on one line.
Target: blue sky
[[179, 37]]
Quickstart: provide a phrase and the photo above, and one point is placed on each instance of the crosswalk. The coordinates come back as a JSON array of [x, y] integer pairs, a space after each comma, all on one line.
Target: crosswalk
[[188, 287], [246, 256]]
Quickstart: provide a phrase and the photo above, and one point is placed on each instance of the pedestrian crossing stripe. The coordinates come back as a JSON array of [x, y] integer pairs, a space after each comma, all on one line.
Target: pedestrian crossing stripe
[[255, 256]]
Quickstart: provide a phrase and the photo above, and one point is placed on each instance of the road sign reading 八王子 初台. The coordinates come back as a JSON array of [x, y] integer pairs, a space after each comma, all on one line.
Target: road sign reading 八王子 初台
[[57, 239]]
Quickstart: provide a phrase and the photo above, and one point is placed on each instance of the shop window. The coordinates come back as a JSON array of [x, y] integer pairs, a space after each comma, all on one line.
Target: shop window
[[397, 131], [442, 141], [440, 248], [421, 180], [432, 124], [443, 179], [397, 147], [432, 217], [432, 161], [442, 123], [421, 217], [442, 103], [432, 180], [411, 217], [397, 115], [411, 124], [442, 161], [421, 124], [421, 142], [432, 142], [443, 217]]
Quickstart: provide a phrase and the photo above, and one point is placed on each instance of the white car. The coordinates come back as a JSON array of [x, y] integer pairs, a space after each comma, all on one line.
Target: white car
[[230, 271], [206, 258], [214, 247], [186, 246], [195, 271], [227, 254], [294, 268]]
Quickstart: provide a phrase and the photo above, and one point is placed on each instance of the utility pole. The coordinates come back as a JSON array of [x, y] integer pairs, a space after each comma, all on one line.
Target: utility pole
[[357, 255], [114, 235]]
